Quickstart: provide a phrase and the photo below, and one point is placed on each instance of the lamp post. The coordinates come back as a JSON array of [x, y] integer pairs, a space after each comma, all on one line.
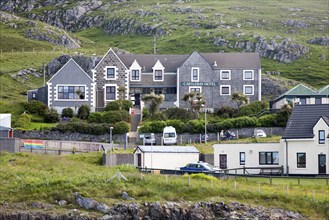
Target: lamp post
[[111, 128], [205, 124]]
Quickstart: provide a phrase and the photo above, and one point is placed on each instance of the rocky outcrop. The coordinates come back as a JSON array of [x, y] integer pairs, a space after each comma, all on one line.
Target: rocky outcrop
[[285, 51], [324, 41], [86, 63], [157, 210]]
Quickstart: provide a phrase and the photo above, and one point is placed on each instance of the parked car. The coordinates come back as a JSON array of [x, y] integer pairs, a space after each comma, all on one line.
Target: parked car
[[199, 167], [149, 139], [201, 138], [259, 133]]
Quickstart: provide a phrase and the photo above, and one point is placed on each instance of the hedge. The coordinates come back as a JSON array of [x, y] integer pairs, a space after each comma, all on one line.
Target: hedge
[[92, 128]]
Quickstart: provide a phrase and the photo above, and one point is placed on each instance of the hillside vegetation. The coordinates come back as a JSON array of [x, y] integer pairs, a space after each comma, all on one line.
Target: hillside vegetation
[[181, 26]]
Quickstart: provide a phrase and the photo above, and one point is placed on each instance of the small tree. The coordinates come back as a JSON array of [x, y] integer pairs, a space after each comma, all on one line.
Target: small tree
[[83, 112], [240, 99], [154, 102], [67, 112], [195, 100]]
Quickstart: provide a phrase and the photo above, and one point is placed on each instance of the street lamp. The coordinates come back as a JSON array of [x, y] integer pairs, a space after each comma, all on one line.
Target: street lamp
[[111, 128]]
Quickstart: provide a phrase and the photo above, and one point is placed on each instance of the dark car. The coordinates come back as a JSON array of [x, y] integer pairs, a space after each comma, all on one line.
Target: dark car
[[201, 138], [200, 167]]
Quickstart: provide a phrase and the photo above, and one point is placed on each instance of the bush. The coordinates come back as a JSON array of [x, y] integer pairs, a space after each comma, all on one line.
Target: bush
[[51, 116], [121, 127], [179, 113], [83, 112], [113, 106], [95, 117], [179, 125], [253, 109], [111, 117], [145, 113], [224, 125], [125, 116], [281, 119], [267, 120], [24, 121], [152, 127], [194, 126], [67, 113], [226, 112], [126, 105], [35, 107], [245, 122]]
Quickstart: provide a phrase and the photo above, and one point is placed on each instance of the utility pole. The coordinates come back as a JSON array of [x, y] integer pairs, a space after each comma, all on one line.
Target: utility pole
[[44, 73], [155, 43]]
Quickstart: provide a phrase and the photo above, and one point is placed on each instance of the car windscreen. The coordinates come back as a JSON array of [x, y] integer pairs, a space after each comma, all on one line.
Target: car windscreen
[[169, 135]]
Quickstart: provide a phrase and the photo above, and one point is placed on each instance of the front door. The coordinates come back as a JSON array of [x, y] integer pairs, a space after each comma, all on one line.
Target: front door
[[139, 160], [223, 161], [137, 99], [322, 164]]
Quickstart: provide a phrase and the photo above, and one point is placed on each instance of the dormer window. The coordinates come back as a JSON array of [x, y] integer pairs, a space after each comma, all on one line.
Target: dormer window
[[322, 136], [158, 75], [248, 75], [111, 72], [158, 70], [195, 75], [135, 75], [225, 74], [135, 71]]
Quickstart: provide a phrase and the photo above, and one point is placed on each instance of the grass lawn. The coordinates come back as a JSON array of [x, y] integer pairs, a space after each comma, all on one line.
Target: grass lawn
[[45, 178]]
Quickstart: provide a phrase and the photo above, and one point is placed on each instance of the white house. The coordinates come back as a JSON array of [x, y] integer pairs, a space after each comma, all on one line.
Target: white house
[[305, 142], [251, 155], [165, 157], [303, 149], [5, 125]]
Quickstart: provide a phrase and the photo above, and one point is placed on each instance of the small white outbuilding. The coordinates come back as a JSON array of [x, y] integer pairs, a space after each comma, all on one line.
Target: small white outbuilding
[[165, 157]]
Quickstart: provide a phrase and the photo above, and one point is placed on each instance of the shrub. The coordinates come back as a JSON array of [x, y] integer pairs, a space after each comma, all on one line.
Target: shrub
[[95, 117], [125, 116], [281, 119], [83, 112], [51, 116], [112, 106], [152, 127], [179, 113], [224, 125], [245, 122], [253, 109], [267, 120], [121, 127], [126, 105], [83, 127], [194, 126], [111, 117], [226, 112], [35, 107], [179, 125], [146, 113], [67, 113], [24, 121]]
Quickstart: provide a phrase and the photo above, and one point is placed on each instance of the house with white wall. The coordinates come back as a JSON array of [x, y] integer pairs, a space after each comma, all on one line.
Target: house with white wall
[[303, 148], [5, 126], [305, 142], [165, 157]]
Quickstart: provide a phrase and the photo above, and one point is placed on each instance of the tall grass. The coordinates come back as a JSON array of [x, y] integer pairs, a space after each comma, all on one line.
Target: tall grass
[[28, 177]]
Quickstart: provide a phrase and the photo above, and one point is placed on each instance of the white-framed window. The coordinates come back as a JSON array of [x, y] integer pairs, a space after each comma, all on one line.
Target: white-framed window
[[158, 75], [242, 158], [301, 160], [225, 74], [110, 92], [71, 92], [196, 89], [322, 137], [195, 74], [111, 72], [248, 89], [225, 90], [248, 75], [135, 75], [34, 95], [269, 158]]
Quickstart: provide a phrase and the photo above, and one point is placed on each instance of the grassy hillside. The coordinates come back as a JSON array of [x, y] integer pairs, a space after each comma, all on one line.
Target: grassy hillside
[[46, 178], [189, 26]]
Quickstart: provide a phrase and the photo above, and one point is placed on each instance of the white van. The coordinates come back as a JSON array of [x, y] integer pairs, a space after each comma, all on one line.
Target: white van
[[169, 135]]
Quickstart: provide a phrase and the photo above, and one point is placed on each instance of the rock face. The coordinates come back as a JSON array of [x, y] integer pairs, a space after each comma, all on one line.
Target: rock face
[[86, 63], [156, 210], [42, 32], [285, 51], [320, 41]]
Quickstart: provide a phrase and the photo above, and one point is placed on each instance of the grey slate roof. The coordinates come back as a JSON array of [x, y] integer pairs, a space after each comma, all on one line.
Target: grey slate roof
[[302, 120], [168, 149], [172, 62]]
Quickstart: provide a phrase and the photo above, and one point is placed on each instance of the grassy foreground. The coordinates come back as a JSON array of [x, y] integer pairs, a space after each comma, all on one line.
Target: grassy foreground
[[46, 178]]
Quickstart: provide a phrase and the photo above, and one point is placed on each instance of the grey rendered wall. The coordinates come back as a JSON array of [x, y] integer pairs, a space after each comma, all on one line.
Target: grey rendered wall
[[10, 145], [117, 159]]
